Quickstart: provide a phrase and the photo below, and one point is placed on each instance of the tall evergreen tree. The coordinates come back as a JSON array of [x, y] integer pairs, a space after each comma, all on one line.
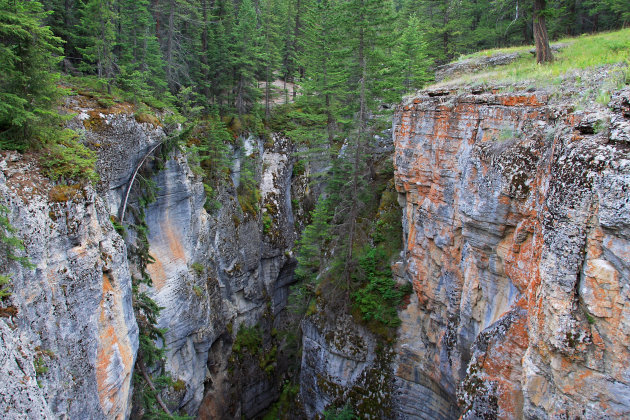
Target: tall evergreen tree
[[273, 14], [96, 31], [543, 51], [140, 63], [247, 57], [411, 58], [29, 53]]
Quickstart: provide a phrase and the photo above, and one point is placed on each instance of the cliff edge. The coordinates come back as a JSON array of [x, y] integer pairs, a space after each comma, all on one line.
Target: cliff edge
[[517, 229]]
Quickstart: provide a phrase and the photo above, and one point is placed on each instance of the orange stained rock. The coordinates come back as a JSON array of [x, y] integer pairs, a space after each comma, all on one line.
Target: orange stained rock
[[594, 243], [174, 241], [575, 382], [157, 272], [114, 350], [502, 365], [520, 100], [166, 249]]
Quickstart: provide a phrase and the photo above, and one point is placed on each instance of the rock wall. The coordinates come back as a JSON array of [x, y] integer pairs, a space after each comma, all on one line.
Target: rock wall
[[213, 272], [69, 335], [344, 364], [516, 220]]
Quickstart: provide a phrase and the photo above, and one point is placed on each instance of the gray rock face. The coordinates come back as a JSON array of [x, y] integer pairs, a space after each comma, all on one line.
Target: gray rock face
[[212, 272], [343, 364], [119, 139], [220, 269], [516, 241], [74, 316], [20, 396]]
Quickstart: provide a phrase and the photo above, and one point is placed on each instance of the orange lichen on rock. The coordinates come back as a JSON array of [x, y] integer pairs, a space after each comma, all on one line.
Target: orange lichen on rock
[[520, 100], [114, 358], [508, 210]]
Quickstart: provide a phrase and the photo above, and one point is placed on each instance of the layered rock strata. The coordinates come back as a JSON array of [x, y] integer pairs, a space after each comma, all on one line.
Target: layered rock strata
[[70, 336], [517, 230], [69, 333]]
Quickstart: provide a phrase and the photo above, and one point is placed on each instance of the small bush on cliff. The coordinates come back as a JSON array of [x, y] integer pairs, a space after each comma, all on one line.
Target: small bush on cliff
[[248, 192], [344, 413], [247, 339], [11, 245], [378, 301], [68, 159]]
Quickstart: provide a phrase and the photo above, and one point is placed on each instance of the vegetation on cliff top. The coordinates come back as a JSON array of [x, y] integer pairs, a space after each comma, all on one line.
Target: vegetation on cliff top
[[576, 53], [222, 58]]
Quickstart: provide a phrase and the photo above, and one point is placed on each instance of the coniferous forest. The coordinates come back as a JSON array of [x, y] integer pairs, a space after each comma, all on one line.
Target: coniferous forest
[[325, 74], [222, 57]]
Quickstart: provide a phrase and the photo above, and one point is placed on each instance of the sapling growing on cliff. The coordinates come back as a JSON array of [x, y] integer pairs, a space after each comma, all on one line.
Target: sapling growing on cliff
[[11, 245]]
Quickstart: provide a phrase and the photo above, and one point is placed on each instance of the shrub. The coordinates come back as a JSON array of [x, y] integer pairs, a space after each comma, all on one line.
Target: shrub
[[10, 245], [378, 300], [197, 267], [344, 413], [68, 159], [267, 223], [247, 339]]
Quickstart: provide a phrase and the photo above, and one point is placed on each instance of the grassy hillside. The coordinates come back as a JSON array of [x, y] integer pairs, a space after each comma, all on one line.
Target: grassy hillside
[[610, 50]]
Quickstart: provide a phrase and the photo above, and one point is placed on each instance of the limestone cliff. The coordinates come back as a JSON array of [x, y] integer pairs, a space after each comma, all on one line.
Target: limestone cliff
[[70, 344], [517, 230], [69, 334]]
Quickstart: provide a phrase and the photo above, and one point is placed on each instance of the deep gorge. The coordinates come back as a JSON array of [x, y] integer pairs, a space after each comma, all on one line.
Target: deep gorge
[[516, 251]]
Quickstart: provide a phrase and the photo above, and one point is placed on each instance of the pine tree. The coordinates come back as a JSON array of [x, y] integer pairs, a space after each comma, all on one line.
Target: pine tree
[[63, 18], [140, 63], [97, 38], [444, 24], [29, 53], [220, 50], [323, 65], [179, 36], [247, 57], [411, 58], [543, 51], [273, 13]]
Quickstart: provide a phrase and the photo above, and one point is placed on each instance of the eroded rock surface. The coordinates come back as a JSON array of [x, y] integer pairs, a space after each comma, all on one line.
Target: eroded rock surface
[[73, 331], [69, 331], [516, 241]]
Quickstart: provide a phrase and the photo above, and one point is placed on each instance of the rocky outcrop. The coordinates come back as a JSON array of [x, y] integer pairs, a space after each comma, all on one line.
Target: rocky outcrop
[[220, 270], [71, 340], [344, 364], [480, 62], [516, 241], [69, 333]]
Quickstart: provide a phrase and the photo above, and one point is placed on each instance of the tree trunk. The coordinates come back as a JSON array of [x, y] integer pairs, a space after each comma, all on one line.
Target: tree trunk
[[204, 52], [354, 211], [267, 93], [543, 51], [170, 47]]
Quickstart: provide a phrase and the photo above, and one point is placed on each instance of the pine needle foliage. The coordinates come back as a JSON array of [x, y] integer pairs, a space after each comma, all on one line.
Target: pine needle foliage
[[29, 53], [12, 246]]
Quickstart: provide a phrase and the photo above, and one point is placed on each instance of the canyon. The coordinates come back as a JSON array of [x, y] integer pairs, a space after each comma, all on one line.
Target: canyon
[[516, 217]]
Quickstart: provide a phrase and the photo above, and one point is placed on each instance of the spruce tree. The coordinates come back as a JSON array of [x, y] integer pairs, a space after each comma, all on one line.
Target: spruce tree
[[273, 14], [96, 31], [29, 53], [543, 51], [411, 59], [140, 62], [220, 50], [247, 57]]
